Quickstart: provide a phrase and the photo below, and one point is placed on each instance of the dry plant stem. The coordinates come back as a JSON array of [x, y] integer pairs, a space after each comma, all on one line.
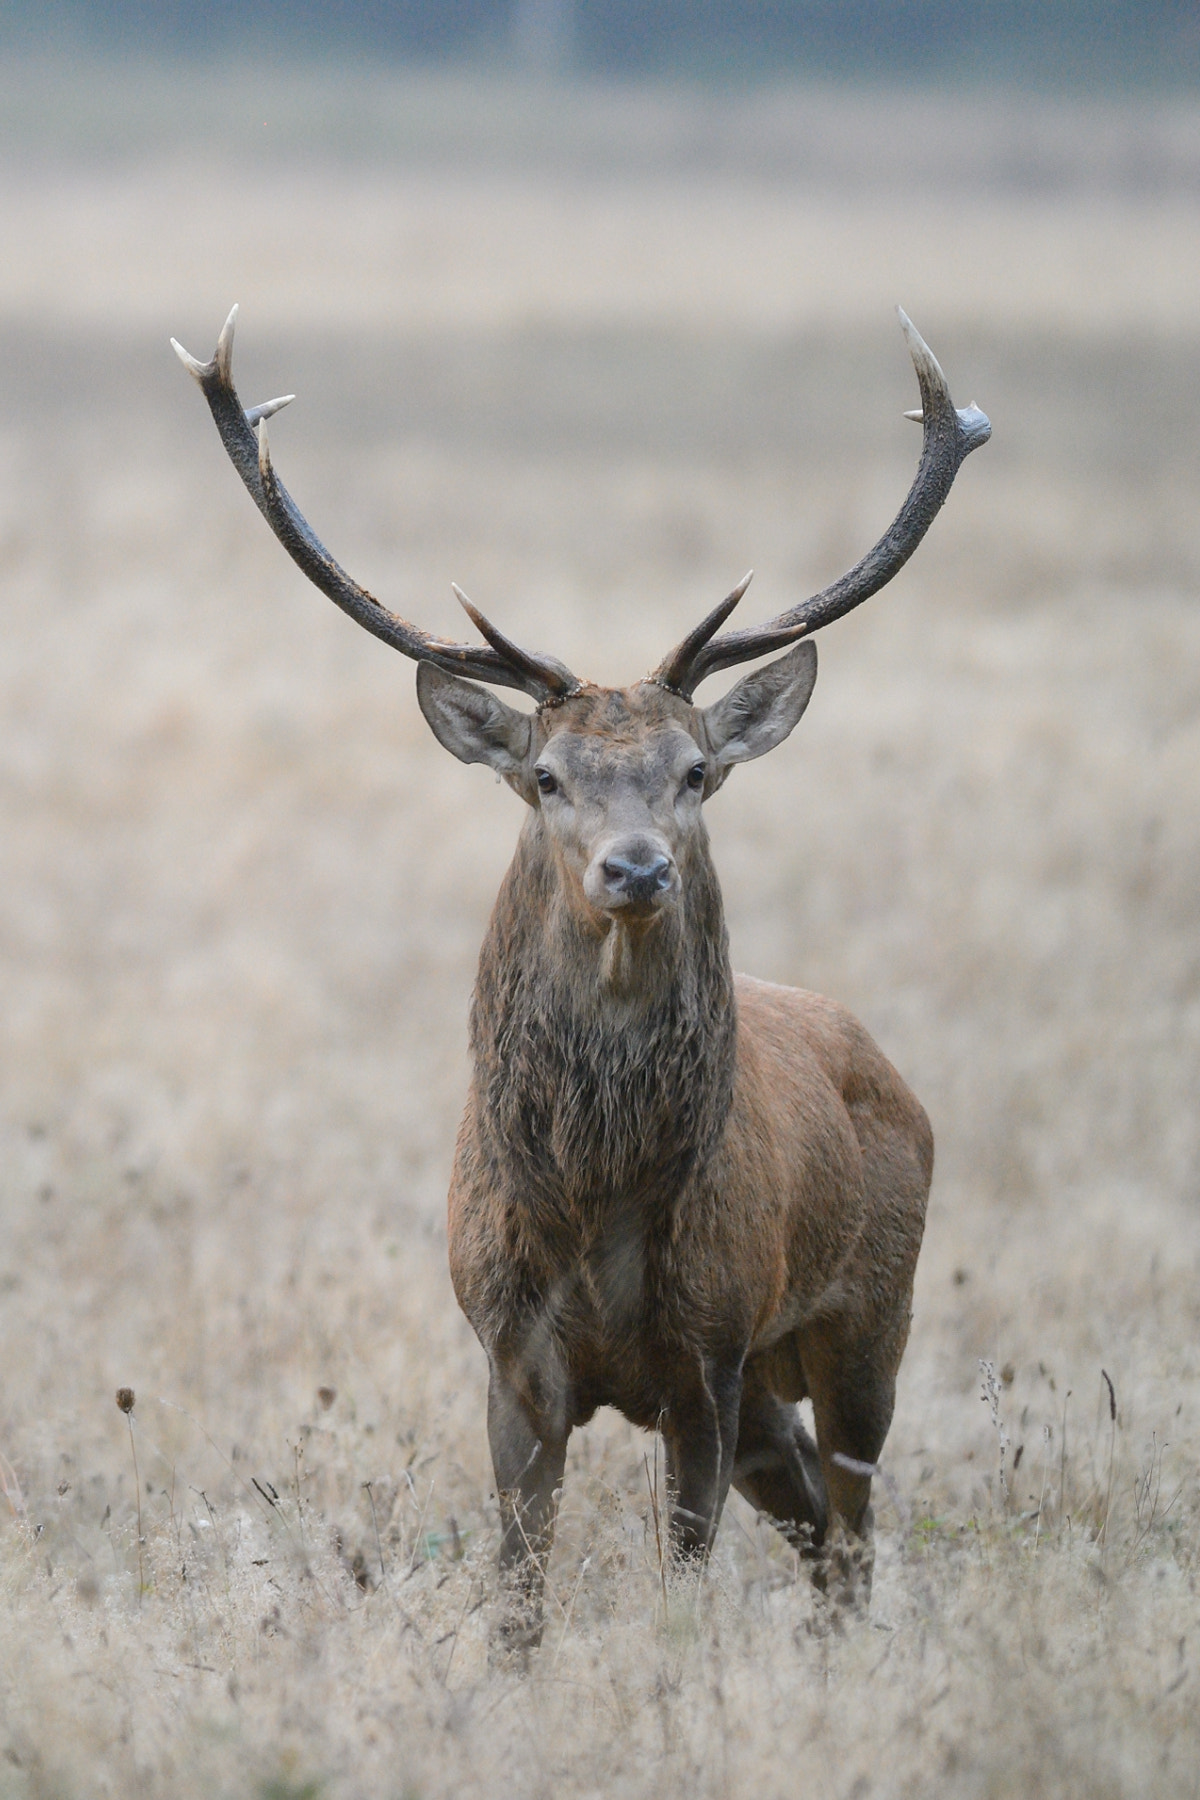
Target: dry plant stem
[[652, 1485], [137, 1492], [220, 1545], [176, 1524], [383, 1580], [457, 1632], [296, 1454], [1112, 1440], [1148, 1487], [11, 1488], [1062, 1462], [991, 1397], [584, 1566], [1037, 1533], [412, 1561]]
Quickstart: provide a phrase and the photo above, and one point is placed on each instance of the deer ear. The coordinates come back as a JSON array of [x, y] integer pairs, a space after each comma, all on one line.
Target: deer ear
[[759, 712], [474, 726]]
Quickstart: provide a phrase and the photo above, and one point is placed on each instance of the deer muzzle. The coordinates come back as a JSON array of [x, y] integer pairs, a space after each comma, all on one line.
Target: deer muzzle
[[635, 876]]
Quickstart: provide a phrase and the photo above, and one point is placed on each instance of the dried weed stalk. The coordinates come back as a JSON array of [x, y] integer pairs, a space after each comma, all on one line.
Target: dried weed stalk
[[991, 1398]]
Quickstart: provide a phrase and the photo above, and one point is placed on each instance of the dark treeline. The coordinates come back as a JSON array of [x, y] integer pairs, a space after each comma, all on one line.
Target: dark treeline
[[1050, 42]]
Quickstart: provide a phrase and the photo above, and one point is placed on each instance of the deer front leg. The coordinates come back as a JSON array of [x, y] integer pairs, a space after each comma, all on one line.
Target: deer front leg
[[700, 1428], [529, 1450]]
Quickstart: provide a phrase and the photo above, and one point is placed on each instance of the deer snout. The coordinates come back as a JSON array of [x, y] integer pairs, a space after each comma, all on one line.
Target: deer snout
[[638, 881], [638, 876]]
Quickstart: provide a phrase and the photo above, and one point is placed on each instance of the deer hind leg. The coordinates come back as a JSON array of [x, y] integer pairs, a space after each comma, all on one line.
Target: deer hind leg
[[529, 1449], [700, 1429], [853, 1396], [852, 1356], [778, 1469]]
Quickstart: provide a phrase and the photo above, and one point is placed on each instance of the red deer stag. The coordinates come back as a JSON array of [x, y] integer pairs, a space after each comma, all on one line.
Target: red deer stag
[[681, 1192]]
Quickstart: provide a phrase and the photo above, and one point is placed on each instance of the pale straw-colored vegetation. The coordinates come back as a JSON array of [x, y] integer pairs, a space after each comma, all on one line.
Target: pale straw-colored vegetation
[[243, 891]]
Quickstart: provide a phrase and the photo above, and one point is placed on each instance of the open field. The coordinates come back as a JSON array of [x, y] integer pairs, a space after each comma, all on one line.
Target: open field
[[243, 891]]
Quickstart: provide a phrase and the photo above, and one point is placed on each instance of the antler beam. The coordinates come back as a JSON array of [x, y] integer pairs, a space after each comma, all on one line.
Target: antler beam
[[950, 435], [244, 435]]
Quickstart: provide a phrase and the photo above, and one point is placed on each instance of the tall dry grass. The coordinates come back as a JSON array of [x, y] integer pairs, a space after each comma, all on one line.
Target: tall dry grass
[[243, 892]]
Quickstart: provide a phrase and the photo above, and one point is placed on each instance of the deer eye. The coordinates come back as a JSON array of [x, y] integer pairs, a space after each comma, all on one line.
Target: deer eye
[[695, 776], [546, 781]]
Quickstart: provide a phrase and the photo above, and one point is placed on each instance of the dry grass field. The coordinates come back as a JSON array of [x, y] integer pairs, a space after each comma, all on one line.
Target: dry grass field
[[591, 357]]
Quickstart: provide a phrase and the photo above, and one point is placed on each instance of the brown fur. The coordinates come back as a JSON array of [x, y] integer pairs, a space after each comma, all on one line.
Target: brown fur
[[692, 1196]]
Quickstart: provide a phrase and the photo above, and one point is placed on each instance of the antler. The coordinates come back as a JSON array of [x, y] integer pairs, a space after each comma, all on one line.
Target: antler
[[244, 435], [950, 436]]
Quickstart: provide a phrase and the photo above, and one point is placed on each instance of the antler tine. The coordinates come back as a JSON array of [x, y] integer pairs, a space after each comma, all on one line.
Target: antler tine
[[555, 677], [268, 409], [950, 435], [672, 673], [244, 436]]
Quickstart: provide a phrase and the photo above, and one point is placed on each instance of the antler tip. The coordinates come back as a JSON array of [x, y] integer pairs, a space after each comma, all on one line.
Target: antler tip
[[264, 451], [911, 335], [224, 357], [924, 361], [192, 364], [256, 414], [473, 613]]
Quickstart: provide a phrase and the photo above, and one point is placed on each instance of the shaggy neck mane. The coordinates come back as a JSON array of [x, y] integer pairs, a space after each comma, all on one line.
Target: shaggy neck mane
[[603, 1060]]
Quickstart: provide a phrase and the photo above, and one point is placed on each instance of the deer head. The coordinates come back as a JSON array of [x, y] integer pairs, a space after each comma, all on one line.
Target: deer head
[[618, 776]]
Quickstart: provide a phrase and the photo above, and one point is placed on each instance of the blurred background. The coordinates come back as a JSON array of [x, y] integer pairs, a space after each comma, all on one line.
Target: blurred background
[[589, 307], [1051, 42]]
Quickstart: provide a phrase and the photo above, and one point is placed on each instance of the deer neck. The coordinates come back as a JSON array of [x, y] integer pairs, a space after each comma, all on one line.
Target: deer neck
[[603, 1056]]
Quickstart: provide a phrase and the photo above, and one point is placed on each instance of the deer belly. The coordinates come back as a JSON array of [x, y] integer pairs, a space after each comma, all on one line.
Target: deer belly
[[633, 1377]]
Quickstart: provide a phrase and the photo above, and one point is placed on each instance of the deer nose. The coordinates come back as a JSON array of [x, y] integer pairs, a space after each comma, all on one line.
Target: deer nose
[[637, 881]]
